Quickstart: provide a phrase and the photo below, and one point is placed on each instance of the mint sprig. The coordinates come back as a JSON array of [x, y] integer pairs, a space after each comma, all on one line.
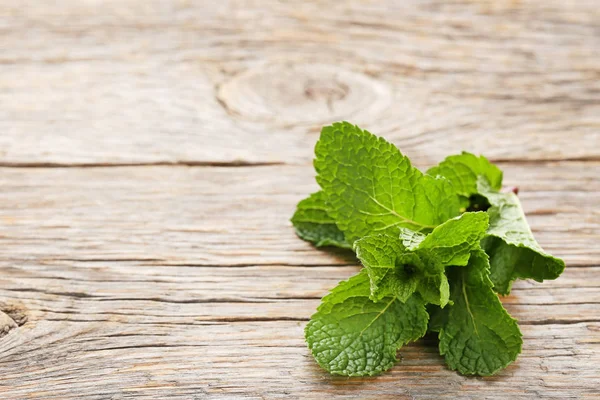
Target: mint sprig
[[432, 261]]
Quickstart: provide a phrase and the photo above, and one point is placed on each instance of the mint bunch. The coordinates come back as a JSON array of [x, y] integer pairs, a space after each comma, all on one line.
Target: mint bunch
[[436, 248]]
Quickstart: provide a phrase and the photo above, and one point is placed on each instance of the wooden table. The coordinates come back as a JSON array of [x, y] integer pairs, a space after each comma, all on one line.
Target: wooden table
[[153, 151]]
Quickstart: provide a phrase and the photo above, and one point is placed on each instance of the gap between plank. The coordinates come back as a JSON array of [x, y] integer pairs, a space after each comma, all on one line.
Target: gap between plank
[[242, 163], [182, 163]]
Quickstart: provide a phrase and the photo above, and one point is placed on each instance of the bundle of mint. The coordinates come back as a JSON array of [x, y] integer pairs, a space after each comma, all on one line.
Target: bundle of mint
[[436, 248]]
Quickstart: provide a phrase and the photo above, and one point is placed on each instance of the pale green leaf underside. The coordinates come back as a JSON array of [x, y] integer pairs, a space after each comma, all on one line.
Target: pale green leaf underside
[[372, 188], [411, 239], [477, 336], [352, 335], [462, 170], [513, 251], [312, 223]]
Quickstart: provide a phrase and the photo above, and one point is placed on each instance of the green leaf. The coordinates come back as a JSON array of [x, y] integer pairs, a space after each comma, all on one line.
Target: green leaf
[[477, 336], [435, 289], [414, 262], [372, 188], [352, 335], [387, 262], [451, 242], [463, 170], [513, 251], [312, 223]]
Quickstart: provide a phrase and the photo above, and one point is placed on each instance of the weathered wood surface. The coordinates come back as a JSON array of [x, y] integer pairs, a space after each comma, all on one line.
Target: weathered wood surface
[[124, 276], [176, 281], [131, 81], [216, 216]]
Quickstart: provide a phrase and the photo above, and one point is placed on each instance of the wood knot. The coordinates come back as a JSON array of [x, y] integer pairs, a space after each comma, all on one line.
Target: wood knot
[[329, 91], [290, 94], [11, 317]]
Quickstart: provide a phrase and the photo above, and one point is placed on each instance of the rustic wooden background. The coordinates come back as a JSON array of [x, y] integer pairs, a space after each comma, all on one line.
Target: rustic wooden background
[[152, 152]]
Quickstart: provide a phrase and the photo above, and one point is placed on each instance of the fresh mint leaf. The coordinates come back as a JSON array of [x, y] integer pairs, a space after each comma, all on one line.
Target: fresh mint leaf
[[370, 187], [451, 242], [463, 170], [513, 251], [354, 336], [312, 223], [390, 266], [477, 335], [414, 262], [435, 289]]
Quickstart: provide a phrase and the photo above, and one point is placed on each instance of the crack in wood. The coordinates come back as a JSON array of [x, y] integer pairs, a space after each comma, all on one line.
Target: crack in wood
[[178, 163], [245, 163], [559, 322]]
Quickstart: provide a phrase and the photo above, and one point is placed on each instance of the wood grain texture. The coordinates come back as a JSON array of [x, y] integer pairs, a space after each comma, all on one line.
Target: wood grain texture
[[251, 82], [189, 281], [158, 261], [237, 216]]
